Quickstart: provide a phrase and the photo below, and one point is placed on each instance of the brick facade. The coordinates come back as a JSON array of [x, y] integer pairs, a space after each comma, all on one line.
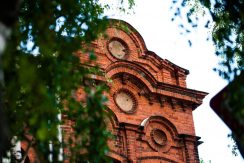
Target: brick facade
[[151, 105]]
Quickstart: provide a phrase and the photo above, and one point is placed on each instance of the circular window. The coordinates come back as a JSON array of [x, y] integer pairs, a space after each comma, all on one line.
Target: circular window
[[125, 101], [159, 137], [117, 48]]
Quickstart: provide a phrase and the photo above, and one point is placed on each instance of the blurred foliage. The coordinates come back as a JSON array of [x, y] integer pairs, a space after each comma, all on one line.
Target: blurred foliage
[[42, 73], [202, 161], [227, 33], [226, 17], [233, 145]]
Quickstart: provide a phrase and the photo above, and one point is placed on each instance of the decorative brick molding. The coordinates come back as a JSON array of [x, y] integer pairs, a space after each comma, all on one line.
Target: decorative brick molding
[[159, 133]]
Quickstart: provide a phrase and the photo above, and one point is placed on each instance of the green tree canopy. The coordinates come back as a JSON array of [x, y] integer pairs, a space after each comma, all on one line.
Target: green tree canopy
[[226, 17], [42, 73]]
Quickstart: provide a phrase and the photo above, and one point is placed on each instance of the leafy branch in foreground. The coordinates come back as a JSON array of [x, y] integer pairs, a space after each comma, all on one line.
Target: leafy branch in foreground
[[41, 72], [227, 32]]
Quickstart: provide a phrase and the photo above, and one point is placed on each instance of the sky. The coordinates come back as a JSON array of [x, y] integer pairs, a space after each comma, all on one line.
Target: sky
[[152, 19]]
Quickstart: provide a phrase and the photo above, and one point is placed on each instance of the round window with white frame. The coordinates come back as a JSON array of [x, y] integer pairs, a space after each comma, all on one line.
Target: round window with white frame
[[118, 48], [125, 100]]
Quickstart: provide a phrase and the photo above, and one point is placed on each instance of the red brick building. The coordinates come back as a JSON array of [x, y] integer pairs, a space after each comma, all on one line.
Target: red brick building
[[151, 105]]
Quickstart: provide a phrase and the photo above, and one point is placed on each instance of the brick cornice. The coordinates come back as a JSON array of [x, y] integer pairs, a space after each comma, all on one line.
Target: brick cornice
[[160, 89], [191, 138]]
